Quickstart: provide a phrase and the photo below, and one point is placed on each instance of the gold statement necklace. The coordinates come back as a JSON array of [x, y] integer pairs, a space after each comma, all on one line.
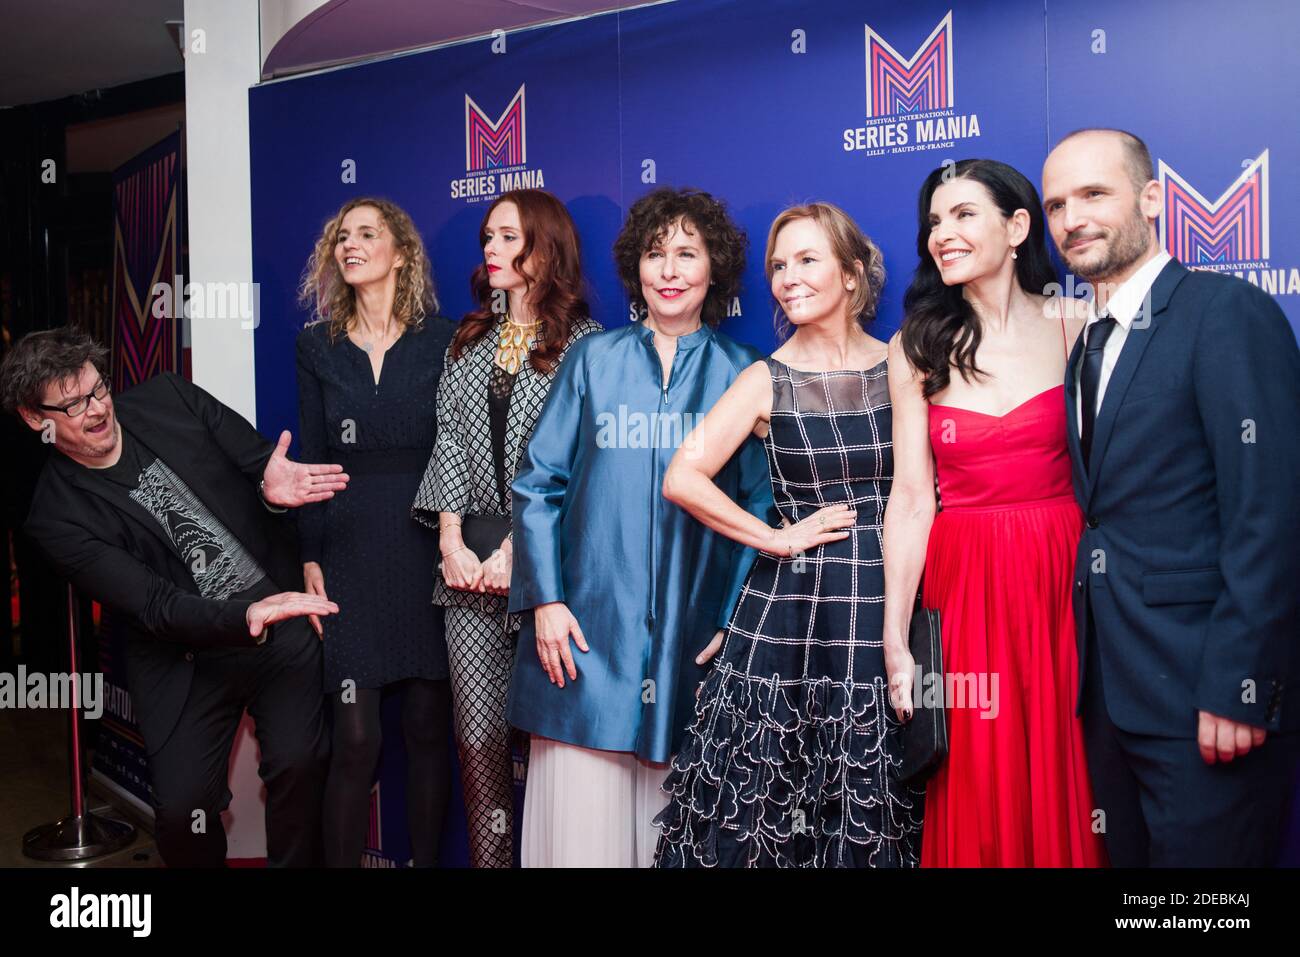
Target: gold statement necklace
[[513, 344]]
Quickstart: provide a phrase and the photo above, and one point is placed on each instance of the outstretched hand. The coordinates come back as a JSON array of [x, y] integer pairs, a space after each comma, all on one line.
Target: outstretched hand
[[289, 484], [286, 605]]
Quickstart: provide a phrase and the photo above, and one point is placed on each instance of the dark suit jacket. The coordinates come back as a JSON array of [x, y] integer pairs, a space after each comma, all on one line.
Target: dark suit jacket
[[115, 552], [1190, 558]]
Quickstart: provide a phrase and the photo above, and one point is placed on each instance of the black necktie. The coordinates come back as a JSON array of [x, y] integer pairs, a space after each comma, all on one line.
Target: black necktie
[[1090, 379]]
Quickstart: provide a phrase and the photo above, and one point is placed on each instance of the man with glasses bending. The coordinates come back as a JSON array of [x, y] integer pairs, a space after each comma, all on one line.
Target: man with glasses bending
[[169, 508]]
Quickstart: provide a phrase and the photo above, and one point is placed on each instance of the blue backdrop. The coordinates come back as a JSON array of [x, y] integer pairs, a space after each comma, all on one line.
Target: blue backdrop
[[767, 103]]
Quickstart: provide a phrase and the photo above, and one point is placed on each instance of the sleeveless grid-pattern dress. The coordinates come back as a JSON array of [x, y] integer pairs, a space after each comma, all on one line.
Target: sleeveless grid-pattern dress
[[792, 757]]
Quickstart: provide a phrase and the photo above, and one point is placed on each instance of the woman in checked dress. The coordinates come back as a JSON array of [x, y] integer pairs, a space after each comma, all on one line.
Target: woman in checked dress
[[791, 760]]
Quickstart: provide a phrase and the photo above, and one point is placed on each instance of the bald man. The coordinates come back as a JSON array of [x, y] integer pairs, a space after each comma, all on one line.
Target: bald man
[[1184, 394]]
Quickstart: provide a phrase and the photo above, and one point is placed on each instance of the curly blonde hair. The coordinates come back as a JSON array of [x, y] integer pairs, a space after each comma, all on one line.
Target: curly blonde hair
[[849, 245], [330, 299]]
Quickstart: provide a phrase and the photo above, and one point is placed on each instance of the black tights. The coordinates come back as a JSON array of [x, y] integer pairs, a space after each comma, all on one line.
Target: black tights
[[426, 722]]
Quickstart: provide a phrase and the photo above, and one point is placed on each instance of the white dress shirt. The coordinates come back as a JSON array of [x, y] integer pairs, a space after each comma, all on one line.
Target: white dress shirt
[[1124, 305]]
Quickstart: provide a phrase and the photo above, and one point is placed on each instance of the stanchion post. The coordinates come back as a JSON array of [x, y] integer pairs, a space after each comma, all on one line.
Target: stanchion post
[[83, 834]]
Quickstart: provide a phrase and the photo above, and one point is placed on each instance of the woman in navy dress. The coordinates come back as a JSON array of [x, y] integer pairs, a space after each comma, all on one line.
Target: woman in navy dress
[[792, 760], [368, 371]]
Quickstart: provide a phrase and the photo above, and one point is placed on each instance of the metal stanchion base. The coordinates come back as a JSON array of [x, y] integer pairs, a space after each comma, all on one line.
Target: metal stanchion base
[[77, 838]]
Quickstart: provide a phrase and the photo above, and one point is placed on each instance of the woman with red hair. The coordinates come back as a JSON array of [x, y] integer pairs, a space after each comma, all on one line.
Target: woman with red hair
[[499, 369]]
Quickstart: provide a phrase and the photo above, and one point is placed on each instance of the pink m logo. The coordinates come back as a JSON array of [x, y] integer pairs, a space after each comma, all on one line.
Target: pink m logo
[[494, 144], [922, 82], [1232, 228]]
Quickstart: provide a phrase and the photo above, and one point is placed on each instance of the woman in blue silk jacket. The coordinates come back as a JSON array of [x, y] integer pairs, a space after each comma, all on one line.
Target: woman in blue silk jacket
[[609, 567]]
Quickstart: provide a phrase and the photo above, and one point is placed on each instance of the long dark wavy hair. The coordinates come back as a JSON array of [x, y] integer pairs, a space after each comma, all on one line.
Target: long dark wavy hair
[[555, 292], [940, 329]]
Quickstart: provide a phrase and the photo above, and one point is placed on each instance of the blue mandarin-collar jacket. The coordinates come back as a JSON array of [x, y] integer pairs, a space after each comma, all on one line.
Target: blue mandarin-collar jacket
[[648, 584]]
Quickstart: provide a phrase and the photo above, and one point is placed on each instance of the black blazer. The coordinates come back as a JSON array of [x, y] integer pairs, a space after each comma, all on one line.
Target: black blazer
[[115, 552], [1190, 558]]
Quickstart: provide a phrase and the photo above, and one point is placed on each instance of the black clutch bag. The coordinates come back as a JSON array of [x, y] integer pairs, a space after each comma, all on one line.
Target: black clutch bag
[[925, 737], [483, 534]]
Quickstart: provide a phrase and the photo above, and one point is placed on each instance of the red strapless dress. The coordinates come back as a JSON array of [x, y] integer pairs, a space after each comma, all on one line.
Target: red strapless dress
[[1014, 791]]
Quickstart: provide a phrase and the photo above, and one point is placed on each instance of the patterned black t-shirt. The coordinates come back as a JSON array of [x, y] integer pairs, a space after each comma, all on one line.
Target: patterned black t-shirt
[[221, 566]]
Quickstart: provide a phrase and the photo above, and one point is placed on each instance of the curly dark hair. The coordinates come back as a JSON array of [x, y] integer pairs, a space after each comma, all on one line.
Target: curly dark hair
[[651, 218], [39, 358]]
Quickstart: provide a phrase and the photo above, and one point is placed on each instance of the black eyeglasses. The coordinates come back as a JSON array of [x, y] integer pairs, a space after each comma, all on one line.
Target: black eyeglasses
[[80, 405]]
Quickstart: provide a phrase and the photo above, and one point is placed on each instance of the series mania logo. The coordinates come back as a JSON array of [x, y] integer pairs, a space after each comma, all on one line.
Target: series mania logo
[[911, 100], [1228, 234], [496, 153]]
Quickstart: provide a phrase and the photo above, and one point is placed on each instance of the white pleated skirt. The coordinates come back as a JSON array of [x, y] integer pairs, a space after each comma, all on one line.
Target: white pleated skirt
[[588, 808]]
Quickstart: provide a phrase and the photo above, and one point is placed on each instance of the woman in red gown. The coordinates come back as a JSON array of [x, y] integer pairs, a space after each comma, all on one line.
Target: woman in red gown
[[976, 377]]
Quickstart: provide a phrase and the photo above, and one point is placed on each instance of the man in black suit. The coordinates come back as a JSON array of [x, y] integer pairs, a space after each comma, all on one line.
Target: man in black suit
[[169, 507], [1183, 396]]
